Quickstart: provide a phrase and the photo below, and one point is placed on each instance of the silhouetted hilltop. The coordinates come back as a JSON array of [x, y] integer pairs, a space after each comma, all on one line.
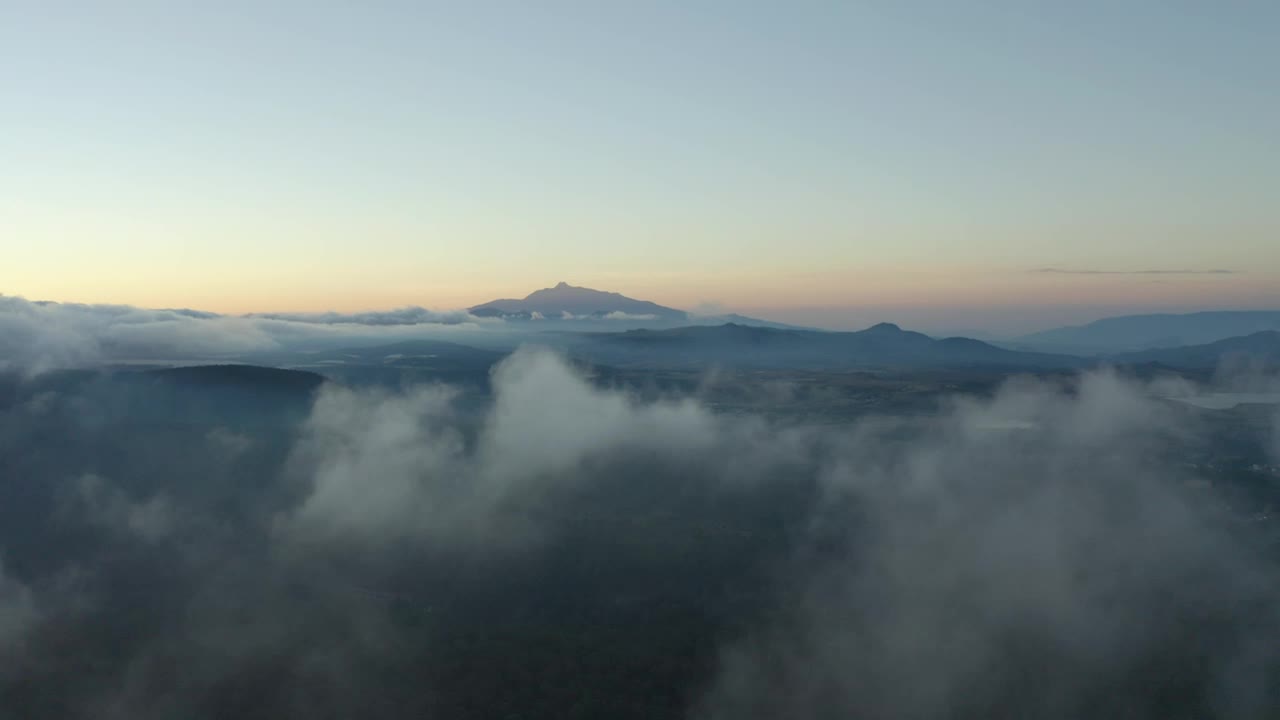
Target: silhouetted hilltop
[[571, 302]]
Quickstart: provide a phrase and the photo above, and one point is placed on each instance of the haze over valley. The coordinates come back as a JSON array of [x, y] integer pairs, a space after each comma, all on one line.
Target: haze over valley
[[567, 505], [666, 361]]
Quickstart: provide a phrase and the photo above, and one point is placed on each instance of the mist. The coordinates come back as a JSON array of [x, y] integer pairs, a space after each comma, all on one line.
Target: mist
[[42, 336], [1032, 556], [1037, 553]]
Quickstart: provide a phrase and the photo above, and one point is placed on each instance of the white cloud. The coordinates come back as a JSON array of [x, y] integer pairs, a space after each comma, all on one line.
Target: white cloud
[[38, 336], [1041, 533], [384, 466], [1050, 520]]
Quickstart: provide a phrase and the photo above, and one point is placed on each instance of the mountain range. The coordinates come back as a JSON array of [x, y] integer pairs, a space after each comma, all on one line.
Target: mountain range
[[1132, 333], [581, 308], [1260, 348], [883, 345], [639, 331], [609, 327]]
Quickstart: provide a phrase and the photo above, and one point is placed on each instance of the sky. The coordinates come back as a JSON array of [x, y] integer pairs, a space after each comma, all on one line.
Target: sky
[[993, 165]]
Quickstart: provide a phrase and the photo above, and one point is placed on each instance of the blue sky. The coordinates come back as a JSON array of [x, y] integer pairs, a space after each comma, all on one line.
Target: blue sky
[[789, 157]]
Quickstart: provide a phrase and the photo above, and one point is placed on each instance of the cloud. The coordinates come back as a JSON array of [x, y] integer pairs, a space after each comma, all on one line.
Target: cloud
[[104, 504], [546, 420], [1066, 271], [402, 316], [38, 336], [1031, 554], [615, 315], [1040, 538], [379, 466], [228, 443], [1042, 552], [392, 466]]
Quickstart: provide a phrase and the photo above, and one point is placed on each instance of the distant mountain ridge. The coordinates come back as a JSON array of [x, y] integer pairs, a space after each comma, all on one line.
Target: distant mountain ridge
[[882, 345], [1131, 333], [1261, 348]]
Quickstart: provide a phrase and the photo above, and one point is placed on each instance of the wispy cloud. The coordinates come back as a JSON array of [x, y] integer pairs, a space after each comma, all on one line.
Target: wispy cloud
[[37, 336], [1095, 271]]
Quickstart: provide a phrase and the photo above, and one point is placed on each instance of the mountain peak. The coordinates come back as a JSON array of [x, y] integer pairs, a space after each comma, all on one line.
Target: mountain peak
[[574, 302], [885, 327]]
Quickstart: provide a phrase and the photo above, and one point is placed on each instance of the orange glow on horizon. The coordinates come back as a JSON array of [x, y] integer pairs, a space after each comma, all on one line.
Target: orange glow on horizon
[[783, 291]]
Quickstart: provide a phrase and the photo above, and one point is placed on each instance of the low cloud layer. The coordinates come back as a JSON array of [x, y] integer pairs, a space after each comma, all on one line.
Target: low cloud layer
[[1032, 555], [437, 476], [401, 316], [38, 336], [1035, 556], [1047, 552]]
